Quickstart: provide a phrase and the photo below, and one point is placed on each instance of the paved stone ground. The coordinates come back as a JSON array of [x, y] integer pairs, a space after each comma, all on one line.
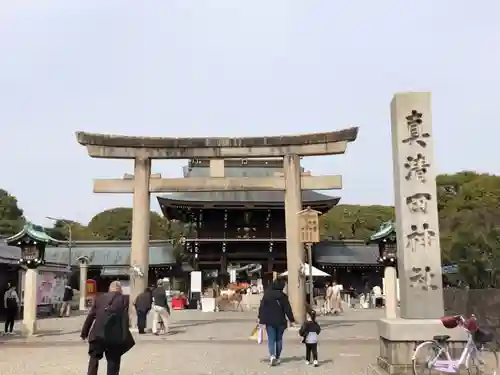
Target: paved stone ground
[[200, 343]]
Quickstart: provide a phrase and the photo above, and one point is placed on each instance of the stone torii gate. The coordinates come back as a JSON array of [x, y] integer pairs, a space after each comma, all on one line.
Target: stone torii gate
[[143, 183]]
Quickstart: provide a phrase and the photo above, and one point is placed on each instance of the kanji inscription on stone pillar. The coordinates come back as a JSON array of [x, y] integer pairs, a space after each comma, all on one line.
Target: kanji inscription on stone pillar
[[417, 227]]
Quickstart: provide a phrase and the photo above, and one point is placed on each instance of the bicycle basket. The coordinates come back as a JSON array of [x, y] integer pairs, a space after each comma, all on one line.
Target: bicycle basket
[[449, 322], [483, 336]]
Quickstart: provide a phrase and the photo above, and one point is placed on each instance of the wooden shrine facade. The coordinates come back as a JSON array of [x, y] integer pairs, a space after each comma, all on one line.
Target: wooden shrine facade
[[232, 229]]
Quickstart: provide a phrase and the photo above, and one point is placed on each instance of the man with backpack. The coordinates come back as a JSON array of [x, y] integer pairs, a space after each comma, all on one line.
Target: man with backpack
[[107, 330]]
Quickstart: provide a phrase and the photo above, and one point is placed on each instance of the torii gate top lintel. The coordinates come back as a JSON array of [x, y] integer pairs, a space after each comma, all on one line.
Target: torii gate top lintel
[[128, 147]]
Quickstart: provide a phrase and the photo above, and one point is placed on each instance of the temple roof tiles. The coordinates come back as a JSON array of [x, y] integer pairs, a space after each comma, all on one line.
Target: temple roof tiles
[[386, 229], [346, 253], [231, 197], [34, 232], [110, 253]]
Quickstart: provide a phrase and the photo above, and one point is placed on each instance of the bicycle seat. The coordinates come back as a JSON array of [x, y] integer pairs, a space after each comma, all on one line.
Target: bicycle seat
[[441, 338]]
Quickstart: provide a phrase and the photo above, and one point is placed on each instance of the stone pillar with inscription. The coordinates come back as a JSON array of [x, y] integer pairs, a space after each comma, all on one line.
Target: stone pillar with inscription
[[417, 226], [418, 250]]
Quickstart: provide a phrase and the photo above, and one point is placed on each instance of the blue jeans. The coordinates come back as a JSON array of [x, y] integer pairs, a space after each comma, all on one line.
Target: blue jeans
[[275, 340]]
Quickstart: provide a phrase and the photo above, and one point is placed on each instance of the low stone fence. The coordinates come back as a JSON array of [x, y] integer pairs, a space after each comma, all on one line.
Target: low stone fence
[[484, 303]]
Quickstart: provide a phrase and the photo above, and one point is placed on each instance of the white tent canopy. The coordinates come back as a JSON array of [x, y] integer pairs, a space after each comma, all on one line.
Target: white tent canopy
[[305, 271]]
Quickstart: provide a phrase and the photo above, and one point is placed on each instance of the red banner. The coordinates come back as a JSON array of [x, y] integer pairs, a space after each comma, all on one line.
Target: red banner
[[91, 287]]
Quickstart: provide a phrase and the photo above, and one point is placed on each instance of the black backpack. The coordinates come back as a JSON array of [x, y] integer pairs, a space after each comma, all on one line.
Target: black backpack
[[114, 327]]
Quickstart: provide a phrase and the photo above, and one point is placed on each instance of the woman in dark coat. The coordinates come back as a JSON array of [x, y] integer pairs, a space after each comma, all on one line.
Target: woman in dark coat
[[98, 322], [273, 312]]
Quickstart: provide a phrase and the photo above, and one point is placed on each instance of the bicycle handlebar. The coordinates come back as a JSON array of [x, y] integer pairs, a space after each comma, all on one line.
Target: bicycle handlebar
[[463, 319], [469, 324]]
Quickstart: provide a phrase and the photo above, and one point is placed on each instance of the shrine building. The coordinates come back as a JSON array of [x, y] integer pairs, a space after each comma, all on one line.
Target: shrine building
[[245, 230]]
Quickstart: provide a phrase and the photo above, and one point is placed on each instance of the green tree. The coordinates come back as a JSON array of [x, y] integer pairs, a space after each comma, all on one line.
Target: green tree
[[469, 218], [354, 221], [116, 224], [79, 232], [11, 215]]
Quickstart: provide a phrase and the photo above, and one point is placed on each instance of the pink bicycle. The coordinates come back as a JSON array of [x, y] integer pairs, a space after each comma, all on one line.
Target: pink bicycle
[[475, 358]]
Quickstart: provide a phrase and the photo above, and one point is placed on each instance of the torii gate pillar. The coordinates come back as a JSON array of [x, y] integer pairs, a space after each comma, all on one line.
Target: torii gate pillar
[[139, 257], [294, 249]]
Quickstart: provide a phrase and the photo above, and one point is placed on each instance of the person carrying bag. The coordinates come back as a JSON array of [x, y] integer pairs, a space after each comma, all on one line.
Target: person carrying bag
[[107, 330], [274, 310]]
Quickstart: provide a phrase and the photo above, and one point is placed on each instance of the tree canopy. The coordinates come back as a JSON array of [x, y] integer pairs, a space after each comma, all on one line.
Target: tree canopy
[[116, 224], [469, 218], [11, 216], [79, 232], [354, 221]]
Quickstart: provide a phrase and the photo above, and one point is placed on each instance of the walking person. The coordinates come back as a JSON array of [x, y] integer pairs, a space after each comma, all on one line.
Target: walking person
[[328, 299], [142, 305], [273, 313], [161, 310], [11, 304], [67, 301], [335, 299], [107, 330], [310, 331]]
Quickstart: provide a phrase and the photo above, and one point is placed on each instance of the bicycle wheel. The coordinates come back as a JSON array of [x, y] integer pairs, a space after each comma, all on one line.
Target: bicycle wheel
[[425, 357], [485, 362]]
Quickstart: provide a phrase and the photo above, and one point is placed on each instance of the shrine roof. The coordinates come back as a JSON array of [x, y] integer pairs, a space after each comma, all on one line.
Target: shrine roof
[[34, 232], [109, 253], [9, 254], [346, 252], [231, 198], [386, 229]]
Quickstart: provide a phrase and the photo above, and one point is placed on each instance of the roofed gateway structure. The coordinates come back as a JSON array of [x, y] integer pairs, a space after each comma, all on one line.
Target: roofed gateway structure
[[290, 185], [237, 229]]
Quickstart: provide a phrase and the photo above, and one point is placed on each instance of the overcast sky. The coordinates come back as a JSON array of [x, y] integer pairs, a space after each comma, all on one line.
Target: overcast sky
[[237, 68]]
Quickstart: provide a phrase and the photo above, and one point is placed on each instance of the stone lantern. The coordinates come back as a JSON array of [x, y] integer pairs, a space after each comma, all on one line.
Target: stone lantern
[[385, 237], [83, 262], [32, 241]]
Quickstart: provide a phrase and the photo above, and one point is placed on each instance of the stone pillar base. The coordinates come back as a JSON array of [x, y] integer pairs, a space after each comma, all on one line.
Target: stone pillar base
[[400, 337], [29, 324], [82, 305], [29, 328]]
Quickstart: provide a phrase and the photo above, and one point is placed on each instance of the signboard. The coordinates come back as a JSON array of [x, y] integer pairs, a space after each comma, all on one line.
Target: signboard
[[309, 225], [29, 252], [125, 287], [196, 285], [91, 287], [50, 287]]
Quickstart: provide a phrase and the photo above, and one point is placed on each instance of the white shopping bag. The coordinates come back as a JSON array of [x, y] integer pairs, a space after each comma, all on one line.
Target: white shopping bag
[[260, 335]]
